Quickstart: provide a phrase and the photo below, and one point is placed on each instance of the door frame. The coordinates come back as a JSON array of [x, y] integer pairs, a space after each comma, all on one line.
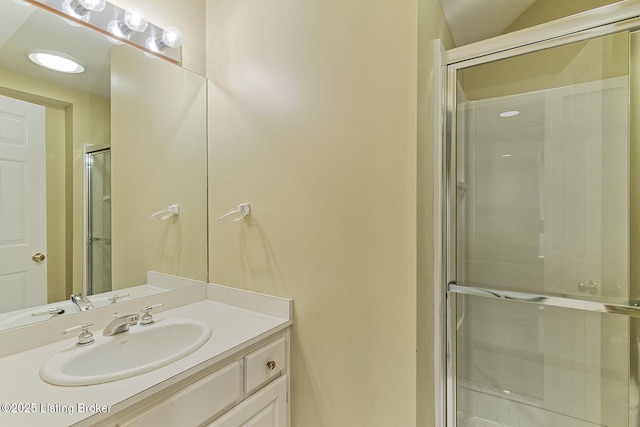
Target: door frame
[[599, 22]]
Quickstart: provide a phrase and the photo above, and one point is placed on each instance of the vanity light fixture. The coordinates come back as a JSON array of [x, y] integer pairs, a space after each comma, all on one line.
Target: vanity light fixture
[[81, 9], [56, 61], [131, 21], [511, 113], [119, 26], [171, 37]]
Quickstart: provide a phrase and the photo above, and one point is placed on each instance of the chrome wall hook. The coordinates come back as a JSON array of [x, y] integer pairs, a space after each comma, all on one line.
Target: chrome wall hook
[[167, 213], [236, 214]]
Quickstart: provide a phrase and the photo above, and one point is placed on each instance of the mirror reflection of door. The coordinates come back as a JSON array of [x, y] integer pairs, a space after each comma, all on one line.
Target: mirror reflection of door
[[98, 259], [23, 240]]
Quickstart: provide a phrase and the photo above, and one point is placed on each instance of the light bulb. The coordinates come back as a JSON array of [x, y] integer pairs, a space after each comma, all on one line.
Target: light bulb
[[171, 37], [131, 21], [152, 44], [75, 11], [81, 9], [135, 21], [94, 5], [117, 28]]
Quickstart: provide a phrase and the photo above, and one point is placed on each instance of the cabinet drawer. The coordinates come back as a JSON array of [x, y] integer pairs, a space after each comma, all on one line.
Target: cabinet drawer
[[264, 364], [196, 403]]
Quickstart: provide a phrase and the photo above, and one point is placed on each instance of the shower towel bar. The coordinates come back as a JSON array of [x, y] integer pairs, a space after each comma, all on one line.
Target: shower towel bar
[[629, 309]]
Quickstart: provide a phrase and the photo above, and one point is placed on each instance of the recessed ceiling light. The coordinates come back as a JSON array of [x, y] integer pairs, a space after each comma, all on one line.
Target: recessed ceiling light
[[56, 61], [509, 113]]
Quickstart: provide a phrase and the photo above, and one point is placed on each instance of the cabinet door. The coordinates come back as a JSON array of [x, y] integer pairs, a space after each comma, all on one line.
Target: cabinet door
[[196, 403], [267, 408]]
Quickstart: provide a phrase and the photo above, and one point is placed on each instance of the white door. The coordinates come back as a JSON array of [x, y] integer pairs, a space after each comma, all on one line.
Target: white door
[[23, 278]]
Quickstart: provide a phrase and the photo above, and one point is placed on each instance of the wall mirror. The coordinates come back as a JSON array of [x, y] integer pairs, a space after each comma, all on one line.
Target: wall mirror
[[102, 172]]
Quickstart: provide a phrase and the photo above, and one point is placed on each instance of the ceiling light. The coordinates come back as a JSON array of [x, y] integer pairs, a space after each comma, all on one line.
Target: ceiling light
[[506, 155], [56, 61], [171, 37], [130, 22], [511, 113]]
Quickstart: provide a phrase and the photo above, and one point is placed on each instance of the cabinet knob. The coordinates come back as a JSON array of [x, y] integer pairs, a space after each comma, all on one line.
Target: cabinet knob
[[271, 365]]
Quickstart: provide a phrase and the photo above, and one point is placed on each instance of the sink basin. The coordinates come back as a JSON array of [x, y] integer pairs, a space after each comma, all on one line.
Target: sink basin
[[141, 349]]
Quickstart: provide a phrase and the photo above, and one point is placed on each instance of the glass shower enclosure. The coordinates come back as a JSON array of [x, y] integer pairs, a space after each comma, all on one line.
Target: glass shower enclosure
[[542, 233], [98, 250]]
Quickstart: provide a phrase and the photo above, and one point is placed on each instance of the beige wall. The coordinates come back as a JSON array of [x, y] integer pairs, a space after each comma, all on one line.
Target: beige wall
[[542, 11], [74, 119], [585, 61], [187, 15], [313, 117], [159, 155]]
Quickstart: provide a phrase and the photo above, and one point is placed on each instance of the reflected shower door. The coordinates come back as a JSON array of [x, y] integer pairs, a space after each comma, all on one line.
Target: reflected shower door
[[98, 221], [542, 328]]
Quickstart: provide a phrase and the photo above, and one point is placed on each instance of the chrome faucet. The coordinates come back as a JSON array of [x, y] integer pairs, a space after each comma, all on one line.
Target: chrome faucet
[[120, 324], [81, 302]]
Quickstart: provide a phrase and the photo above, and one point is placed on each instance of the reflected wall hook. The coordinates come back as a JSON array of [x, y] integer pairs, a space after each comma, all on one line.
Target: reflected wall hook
[[167, 213], [243, 209]]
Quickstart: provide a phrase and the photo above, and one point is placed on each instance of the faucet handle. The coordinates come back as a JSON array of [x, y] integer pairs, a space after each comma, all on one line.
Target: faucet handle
[[53, 312], [147, 319], [85, 337], [114, 298]]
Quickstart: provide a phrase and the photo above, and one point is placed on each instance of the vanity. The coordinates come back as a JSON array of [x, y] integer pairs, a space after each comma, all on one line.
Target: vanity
[[240, 374]]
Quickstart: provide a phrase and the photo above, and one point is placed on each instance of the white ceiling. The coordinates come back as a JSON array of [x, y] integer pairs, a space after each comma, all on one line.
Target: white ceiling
[[474, 20], [23, 28]]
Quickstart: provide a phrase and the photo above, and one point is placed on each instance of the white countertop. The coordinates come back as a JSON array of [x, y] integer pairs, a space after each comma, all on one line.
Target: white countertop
[[233, 329]]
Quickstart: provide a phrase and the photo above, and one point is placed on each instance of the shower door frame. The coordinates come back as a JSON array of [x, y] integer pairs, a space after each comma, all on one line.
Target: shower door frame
[[584, 26], [89, 151]]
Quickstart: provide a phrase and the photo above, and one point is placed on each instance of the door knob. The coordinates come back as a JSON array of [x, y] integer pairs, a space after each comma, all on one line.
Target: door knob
[[38, 257]]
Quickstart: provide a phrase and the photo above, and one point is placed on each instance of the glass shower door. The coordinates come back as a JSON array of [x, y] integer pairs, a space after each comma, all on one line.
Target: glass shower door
[[540, 329], [98, 165]]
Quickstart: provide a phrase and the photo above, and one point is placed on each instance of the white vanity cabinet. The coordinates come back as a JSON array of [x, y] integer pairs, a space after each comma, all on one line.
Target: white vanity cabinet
[[238, 377], [249, 390], [267, 408]]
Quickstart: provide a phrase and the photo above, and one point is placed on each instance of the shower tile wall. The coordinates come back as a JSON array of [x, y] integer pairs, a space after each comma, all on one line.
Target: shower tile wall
[[540, 364], [525, 201]]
